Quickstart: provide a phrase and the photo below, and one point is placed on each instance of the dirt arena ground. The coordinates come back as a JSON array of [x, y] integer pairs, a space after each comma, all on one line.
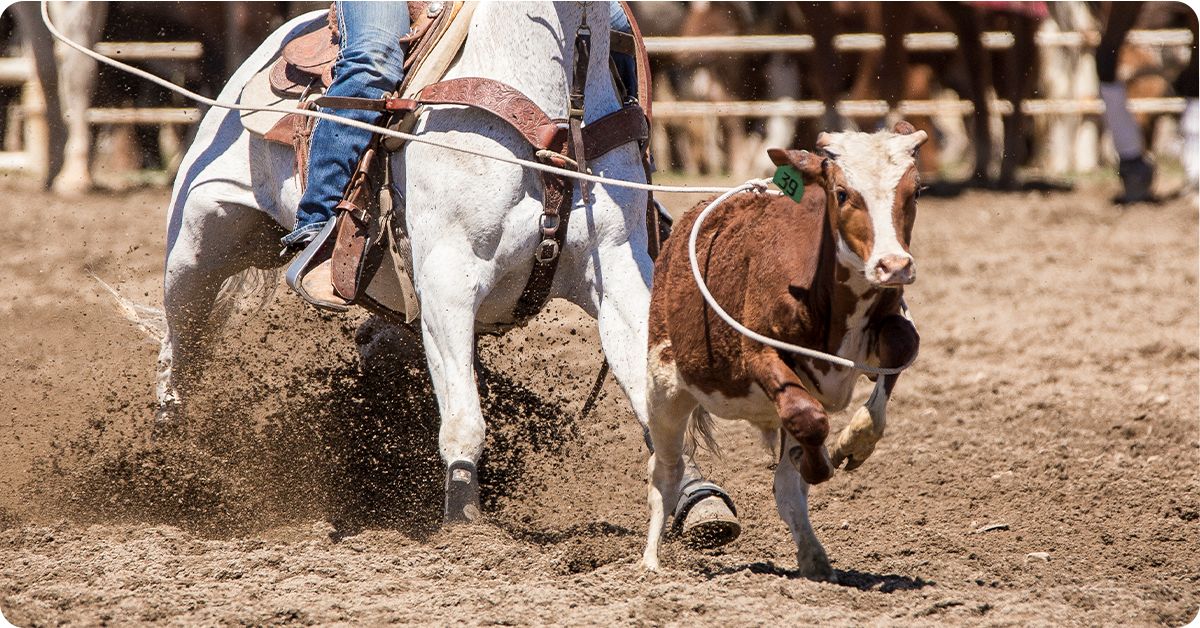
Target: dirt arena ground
[[1040, 466]]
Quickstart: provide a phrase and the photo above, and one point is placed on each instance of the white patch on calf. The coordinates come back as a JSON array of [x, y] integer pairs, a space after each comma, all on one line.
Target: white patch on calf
[[755, 407], [873, 165]]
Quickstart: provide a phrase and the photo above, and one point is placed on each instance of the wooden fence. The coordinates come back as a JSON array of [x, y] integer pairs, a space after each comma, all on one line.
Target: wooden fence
[[30, 114], [995, 40]]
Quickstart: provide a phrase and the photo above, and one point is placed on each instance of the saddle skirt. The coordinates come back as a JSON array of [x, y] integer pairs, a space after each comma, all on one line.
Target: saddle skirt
[[302, 69]]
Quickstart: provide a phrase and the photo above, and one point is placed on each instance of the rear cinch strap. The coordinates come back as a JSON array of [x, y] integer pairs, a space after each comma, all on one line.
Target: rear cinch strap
[[558, 192]]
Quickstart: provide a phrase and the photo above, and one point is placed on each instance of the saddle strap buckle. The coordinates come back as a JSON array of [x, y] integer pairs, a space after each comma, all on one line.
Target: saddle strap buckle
[[547, 251]]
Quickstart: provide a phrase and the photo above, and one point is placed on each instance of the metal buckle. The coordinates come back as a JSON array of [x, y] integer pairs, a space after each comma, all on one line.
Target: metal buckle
[[547, 251], [549, 223]]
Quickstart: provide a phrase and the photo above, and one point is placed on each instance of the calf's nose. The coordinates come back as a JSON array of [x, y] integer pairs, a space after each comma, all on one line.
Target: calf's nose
[[895, 270]]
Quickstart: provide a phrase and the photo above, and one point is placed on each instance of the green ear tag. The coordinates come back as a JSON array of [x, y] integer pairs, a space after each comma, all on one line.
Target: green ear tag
[[788, 179]]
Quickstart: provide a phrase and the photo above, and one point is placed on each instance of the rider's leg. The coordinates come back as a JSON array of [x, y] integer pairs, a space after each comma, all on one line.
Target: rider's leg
[[370, 65], [626, 65]]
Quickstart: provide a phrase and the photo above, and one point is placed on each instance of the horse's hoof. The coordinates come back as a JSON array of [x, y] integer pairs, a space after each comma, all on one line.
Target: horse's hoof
[[168, 421], [706, 517], [462, 493]]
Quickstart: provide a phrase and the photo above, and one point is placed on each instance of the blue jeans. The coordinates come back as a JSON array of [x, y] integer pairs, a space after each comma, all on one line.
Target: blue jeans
[[626, 66], [370, 65]]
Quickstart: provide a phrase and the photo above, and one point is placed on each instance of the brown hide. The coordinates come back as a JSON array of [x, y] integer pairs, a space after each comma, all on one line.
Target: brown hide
[[773, 268]]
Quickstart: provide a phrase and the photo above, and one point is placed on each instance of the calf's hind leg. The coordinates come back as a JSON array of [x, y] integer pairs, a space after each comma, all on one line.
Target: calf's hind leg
[[898, 343], [668, 422]]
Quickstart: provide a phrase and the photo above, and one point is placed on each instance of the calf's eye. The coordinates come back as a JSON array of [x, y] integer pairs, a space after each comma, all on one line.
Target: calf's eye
[[842, 197]]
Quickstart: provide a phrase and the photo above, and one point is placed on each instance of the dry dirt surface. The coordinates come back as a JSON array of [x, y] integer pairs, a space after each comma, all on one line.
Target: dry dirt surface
[[1040, 466]]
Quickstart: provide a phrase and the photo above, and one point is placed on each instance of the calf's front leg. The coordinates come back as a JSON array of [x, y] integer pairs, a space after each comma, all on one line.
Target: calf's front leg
[[897, 344], [800, 415]]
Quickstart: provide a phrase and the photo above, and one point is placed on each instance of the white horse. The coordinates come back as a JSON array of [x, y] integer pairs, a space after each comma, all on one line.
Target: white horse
[[473, 222]]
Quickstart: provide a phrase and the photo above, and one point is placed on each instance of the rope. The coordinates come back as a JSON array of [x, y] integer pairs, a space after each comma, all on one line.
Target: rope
[[760, 187], [366, 126], [756, 184]]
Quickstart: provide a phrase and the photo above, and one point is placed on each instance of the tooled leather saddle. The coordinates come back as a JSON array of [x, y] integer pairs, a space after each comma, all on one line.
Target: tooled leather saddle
[[304, 70]]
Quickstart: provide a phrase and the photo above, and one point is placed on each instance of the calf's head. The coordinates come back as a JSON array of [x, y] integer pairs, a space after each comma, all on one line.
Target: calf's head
[[871, 181]]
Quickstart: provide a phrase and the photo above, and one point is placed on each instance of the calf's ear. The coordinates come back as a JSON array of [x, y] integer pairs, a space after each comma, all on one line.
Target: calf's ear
[[807, 164]]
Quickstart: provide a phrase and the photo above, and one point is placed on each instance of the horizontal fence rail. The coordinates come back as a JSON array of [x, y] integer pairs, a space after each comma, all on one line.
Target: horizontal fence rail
[[816, 109], [992, 40], [143, 50]]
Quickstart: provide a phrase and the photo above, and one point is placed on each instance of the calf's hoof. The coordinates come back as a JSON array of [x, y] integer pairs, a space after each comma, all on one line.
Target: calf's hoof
[[462, 493], [815, 566], [706, 517], [856, 443]]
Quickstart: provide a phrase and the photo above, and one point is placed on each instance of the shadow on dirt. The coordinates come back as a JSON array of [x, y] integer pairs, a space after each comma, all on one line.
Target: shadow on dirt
[[354, 445], [883, 584], [851, 578]]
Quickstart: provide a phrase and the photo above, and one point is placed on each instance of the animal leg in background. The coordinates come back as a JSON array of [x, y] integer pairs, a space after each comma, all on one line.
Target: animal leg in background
[[82, 22], [966, 26], [897, 344]]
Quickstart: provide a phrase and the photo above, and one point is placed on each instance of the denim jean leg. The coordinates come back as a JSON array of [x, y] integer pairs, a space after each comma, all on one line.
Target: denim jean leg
[[369, 65], [626, 66]]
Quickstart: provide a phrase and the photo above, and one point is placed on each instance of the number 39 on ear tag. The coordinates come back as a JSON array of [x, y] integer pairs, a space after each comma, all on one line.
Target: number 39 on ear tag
[[788, 179]]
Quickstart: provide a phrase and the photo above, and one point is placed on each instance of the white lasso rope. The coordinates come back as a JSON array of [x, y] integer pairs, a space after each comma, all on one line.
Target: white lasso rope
[[363, 125], [760, 186]]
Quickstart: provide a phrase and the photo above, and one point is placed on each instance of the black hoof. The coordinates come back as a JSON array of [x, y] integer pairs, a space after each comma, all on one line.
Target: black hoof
[[462, 493], [706, 517]]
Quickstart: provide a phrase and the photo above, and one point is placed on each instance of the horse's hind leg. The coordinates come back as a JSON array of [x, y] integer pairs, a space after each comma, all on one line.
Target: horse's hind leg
[[210, 242]]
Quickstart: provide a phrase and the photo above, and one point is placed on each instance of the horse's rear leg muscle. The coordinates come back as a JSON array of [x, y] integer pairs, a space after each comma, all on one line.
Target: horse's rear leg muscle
[[215, 241]]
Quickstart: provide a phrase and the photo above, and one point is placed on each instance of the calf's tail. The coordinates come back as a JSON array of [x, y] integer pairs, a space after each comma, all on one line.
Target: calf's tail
[[700, 433]]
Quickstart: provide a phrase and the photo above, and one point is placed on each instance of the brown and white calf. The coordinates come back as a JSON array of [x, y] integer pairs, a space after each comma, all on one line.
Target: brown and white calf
[[827, 274]]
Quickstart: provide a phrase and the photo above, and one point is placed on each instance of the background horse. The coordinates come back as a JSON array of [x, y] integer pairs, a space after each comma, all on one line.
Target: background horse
[[473, 222]]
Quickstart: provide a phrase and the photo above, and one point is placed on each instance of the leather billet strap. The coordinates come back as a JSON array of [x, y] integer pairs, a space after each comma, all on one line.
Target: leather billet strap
[[354, 222], [499, 99], [558, 191]]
